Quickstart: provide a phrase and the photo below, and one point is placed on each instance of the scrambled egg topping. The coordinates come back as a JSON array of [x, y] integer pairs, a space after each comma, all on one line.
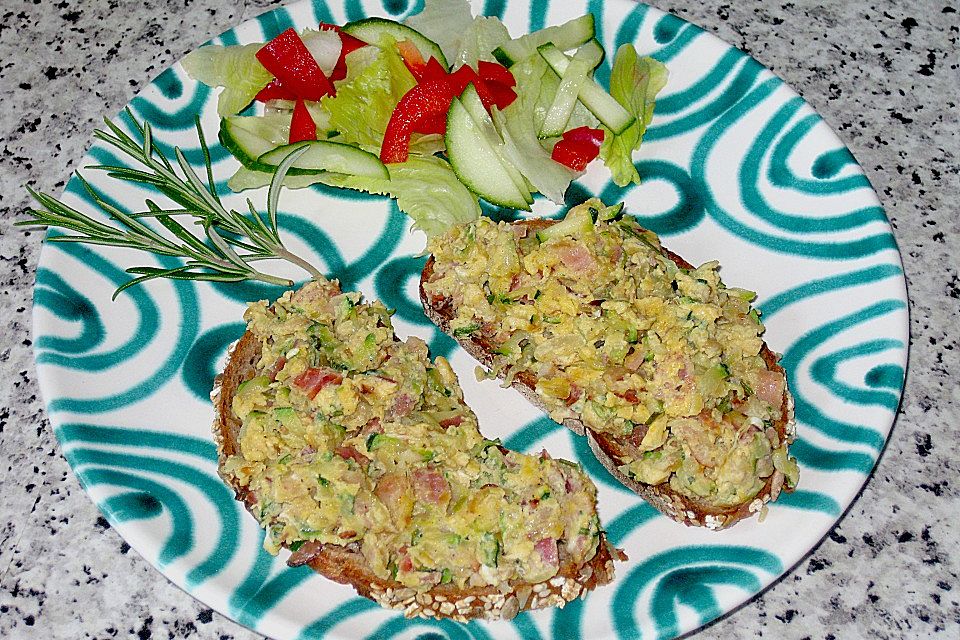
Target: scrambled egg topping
[[351, 437], [617, 335]]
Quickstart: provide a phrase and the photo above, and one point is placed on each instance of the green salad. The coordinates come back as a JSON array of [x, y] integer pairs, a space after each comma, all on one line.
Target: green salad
[[438, 112]]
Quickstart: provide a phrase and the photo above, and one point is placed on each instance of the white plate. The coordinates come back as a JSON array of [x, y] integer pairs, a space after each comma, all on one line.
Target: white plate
[[736, 168]]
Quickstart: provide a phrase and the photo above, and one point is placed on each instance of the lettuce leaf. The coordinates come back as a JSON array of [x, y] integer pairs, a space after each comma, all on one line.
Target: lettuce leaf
[[251, 179], [634, 83], [484, 34], [366, 98], [444, 22], [426, 189], [464, 39], [235, 68], [522, 148]]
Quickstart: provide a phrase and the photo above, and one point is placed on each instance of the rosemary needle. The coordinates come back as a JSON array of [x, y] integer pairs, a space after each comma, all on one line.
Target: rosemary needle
[[235, 240]]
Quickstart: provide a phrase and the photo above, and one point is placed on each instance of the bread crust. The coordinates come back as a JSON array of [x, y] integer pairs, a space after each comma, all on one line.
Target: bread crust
[[605, 446], [346, 565]]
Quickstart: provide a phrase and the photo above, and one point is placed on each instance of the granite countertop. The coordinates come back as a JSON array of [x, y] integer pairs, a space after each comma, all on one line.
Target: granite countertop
[[884, 74]]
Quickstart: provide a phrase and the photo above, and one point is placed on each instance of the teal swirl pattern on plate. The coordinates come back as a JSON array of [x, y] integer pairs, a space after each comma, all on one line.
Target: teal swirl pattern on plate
[[736, 167]]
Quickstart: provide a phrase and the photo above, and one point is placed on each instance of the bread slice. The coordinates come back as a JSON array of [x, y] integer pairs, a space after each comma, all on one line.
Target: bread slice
[[608, 450], [345, 564]]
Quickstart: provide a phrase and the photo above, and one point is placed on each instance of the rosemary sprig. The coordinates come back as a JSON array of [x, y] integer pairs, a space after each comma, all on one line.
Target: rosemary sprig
[[235, 240]]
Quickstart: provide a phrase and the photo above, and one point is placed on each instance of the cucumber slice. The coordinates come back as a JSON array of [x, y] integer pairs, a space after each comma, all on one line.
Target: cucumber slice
[[259, 143], [476, 162], [249, 137], [322, 156], [565, 36], [612, 212], [600, 103], [371, 30], [578, 221], [474, 106], [576, 75], [593, 52]]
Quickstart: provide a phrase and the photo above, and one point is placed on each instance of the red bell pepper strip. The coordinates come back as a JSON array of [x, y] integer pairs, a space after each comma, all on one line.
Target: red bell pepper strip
[[275, 91], [460, 78], [433, 70], [432, 124], [495, 84], [288, 58], [420, 69], [339, 71], [427, 100], [492, 92], [483, 91], [585, 134], [501, 95], [496, 73], [425, 110], [302, 126], [578, 147]]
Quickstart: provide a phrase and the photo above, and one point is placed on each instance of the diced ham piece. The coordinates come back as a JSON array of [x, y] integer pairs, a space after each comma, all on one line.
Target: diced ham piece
[[577, 258], [430, 486], [634, 360], [575, 393], [307, 552], [390, 487], [631, 396], [547, 548], [314, 379], [699, 436], [403, 404], [571, 483], [372, 426], [406, 564], [636, 436], [776, 485], [746, 436], [350, 453], [276, 368], [393, 490], [455, 421], [615, 373], [770, 387], [319, 290]]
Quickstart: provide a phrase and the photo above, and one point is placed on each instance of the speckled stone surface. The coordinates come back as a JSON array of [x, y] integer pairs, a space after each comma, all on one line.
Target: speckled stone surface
[[885, 74]]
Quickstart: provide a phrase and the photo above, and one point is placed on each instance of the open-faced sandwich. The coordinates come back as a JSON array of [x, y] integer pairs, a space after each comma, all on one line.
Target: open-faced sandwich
[[357, 453], [659, 363]]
